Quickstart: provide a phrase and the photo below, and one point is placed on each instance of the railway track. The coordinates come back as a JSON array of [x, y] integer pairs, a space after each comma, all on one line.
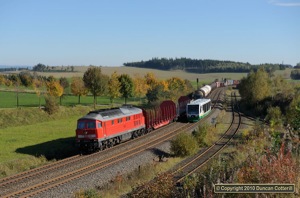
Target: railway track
[[193, 164], [59, 180], [39, 179]]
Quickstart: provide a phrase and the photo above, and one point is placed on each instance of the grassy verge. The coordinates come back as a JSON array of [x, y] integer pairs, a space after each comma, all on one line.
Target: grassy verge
[[121, 184], [29, 137]]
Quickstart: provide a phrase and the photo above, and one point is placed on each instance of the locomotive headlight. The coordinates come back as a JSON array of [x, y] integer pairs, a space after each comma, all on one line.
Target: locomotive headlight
[[80, 136], [92, 136]]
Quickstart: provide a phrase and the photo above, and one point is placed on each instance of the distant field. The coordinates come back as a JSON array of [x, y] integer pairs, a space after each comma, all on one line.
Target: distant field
[[159, 73], [209, 77]]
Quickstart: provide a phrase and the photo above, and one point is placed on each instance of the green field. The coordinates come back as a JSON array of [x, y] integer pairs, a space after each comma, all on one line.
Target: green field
[[26, 134], [9, 100]]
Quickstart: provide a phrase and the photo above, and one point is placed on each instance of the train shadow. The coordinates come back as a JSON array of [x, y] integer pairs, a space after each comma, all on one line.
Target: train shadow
[[160, 153], [55, 149]]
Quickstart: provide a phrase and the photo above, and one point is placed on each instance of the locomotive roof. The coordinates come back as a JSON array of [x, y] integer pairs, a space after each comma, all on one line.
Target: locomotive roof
[[199, 101], [109, 114]]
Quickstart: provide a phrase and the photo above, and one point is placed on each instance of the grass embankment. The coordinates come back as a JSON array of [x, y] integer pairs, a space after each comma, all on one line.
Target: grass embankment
[[29, 137]]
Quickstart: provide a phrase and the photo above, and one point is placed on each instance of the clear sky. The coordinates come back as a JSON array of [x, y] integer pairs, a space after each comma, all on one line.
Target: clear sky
[[111, 32]]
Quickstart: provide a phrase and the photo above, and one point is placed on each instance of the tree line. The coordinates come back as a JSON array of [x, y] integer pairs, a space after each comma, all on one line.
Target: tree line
[[43, 68], [272, 98], [96, 83], [202, 66]]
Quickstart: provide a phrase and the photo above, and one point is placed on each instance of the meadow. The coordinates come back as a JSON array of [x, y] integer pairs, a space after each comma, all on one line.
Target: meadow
[[30, 137]]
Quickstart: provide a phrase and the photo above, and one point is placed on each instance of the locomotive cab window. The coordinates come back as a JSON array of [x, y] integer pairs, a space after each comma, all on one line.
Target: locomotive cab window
[[80, 125], [91, 125], [99, 124]]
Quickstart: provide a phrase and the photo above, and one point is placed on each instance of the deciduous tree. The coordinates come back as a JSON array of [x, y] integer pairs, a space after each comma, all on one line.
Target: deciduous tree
[[114, 86], [176, 87], [256, 87], [140, 86], [151, 79], [78, 88], [2, 80], [96, 82], [37, 86], [54, 89], [126, 88]]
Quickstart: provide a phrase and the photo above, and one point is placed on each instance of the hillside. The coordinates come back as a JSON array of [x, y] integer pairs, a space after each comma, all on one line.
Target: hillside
[[203, 66]]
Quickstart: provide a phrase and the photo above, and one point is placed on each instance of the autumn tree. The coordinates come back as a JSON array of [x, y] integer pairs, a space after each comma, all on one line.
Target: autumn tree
[[63, 81], [54, 90], [151, 80], [126, 88], [96, 82], [114, 86], [176, 87], [189, 87], [26, 78], [256, 87], [37, 86], [140, 86], [78, 88], [2, 79], [153, 88], [282, 88]]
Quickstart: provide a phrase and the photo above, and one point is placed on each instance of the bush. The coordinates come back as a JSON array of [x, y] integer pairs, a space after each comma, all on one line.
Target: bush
[[90, 193], [184, 145], [162, 186], [51, 105], [274, 116], [200, 134]]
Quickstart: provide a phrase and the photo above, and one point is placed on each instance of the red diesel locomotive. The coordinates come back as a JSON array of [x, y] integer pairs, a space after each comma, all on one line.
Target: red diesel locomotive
[[104, 128]]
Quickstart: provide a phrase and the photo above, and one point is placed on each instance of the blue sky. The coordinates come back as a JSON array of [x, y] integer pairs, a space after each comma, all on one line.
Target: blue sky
[[111, 32]]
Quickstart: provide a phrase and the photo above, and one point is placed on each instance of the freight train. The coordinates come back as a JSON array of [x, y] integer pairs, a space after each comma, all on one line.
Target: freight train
[[105, 128], [102, 129]]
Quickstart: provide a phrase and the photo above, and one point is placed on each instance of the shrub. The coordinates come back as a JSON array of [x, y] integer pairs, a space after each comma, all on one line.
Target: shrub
[[200, 134], [51, 105], [184, 145], [162, 186], [90, 193]]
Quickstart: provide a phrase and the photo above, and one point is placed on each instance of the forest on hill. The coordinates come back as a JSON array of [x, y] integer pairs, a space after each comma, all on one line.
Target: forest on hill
[[202, 66]]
